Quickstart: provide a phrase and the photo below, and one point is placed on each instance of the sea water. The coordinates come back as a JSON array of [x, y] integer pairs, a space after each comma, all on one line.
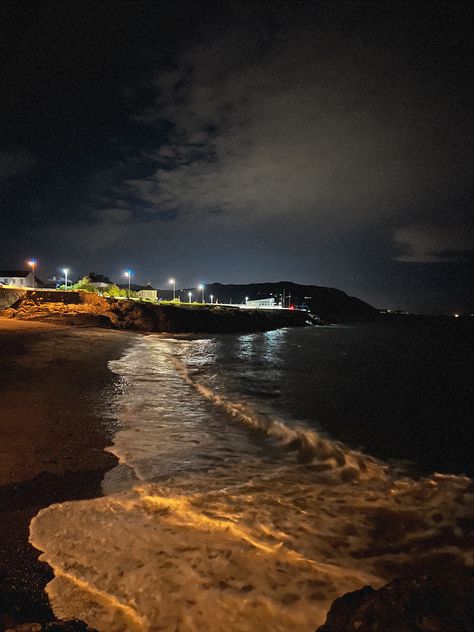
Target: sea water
[[261, 476]]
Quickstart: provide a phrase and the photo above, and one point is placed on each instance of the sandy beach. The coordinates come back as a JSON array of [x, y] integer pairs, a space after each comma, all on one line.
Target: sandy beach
[[52, 435]]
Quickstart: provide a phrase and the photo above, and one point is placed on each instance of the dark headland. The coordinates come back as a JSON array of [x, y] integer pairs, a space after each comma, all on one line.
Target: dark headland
[[327, 303]]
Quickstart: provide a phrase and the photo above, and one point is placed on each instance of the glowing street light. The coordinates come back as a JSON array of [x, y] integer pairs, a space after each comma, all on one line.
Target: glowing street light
[[201, 287], [32, 263], [212, 298], [128, 274], [190, 295], [65, 270], [246, 300], [173, 281]]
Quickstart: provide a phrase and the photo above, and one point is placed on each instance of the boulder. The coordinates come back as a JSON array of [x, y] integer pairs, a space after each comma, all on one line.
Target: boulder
[[10, 296], [426, 604]]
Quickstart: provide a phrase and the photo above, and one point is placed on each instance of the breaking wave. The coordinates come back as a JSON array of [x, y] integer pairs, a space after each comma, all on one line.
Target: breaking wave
[[215, 529], [307, 443]]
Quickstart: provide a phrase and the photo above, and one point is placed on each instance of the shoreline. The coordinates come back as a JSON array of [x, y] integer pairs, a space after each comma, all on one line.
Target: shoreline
[[52, 442], [91, 310]]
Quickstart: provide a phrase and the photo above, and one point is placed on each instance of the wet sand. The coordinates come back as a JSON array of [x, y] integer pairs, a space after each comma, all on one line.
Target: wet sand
[[54, 425]]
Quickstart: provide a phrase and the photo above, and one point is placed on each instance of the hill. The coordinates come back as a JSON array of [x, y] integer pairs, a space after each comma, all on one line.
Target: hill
[[329, 304]]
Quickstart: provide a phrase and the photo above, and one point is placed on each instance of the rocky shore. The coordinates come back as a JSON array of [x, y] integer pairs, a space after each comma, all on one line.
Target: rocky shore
[[88, 309], [422, 604]]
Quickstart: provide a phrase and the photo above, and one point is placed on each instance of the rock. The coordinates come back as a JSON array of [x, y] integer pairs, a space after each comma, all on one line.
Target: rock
[[10, 296], [426, 604]]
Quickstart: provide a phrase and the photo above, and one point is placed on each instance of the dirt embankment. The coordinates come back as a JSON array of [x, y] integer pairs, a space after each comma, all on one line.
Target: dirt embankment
[[87, 309]]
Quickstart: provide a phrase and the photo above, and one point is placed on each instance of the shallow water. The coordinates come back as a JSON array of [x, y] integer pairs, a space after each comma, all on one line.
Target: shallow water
[[235, 504]]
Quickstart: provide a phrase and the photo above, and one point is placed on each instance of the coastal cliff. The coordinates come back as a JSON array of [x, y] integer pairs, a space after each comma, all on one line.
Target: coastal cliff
[[88, 309]]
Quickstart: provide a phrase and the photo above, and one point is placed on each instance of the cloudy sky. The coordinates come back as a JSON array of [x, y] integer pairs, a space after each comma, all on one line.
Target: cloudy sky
[[323, 143]]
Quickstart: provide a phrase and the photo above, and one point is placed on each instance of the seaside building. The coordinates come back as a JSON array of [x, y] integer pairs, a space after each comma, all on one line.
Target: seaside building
[[261, 302], [148, 292], [19, 278]]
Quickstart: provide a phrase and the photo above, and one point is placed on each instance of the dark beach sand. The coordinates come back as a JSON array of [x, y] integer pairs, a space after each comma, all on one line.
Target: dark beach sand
[[55, 421]]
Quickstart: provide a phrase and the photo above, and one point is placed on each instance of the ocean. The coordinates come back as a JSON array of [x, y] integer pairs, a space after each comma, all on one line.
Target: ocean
[[261, 476]]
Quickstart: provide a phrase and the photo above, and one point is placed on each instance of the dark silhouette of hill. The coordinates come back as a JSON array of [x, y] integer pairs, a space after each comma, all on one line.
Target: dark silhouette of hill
[[328, 303]]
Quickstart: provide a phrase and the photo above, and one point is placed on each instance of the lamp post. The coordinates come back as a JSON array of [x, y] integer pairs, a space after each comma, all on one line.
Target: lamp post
[[173, 281], [128, 274], [246, 300], [32, 263], [201, 287], [65, 270], [212, 298], [190, 295]]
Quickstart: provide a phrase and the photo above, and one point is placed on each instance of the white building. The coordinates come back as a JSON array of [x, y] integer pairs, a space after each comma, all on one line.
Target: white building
[[19, 278], [261, 302], [148, 293]]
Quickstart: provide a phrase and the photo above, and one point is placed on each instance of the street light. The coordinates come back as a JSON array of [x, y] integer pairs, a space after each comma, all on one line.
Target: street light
[[190, 294], [32, 263], [173, 281], [65, 270], [128, 274], [212, 297], [201, 287], [246, 300]]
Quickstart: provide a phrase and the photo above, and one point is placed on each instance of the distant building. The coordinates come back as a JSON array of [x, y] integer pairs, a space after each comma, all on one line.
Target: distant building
[[148, 292], [20, 278], [99, 281], [261, 302]]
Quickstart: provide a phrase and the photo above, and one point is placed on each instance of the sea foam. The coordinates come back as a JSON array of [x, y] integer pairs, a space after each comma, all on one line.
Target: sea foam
[[233, 518]]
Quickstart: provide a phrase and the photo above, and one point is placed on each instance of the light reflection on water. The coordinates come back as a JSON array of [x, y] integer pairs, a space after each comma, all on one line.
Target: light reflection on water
[[167, 426]]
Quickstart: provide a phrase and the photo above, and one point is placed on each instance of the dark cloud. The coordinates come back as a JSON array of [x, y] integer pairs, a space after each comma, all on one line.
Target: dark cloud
[[434, 244], [336, 139]]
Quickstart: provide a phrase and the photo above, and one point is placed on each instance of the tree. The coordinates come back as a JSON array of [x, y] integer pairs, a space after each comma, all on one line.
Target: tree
[[84, 284], [114, 290]]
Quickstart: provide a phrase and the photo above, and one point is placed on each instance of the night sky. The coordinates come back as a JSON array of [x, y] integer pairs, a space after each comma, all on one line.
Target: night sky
[[322, 143]]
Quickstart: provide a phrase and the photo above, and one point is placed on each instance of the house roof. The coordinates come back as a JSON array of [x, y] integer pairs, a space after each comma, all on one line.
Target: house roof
[[147, 287], [15, 273]]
